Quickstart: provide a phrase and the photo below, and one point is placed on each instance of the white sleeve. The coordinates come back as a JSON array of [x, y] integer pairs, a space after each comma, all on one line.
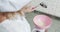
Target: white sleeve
[[19, 3], [12, 5], [2, 27], [15, 25]]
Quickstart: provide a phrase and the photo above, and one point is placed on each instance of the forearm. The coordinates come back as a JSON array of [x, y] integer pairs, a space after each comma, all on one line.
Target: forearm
[[2, 18]]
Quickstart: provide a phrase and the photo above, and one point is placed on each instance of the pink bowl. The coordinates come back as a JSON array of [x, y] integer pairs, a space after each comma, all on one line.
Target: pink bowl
[[42, 21]]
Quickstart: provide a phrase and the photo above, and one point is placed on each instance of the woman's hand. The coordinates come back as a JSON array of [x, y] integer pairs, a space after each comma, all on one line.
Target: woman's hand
[[28, 9]]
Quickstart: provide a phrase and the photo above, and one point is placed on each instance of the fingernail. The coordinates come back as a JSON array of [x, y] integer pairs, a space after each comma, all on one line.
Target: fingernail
[[33, 7]]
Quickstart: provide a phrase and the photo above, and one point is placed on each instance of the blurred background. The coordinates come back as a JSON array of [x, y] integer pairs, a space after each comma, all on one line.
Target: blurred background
[[49, 11]]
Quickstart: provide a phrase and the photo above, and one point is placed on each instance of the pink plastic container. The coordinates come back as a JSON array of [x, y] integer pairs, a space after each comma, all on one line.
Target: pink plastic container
[[42, 21]]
